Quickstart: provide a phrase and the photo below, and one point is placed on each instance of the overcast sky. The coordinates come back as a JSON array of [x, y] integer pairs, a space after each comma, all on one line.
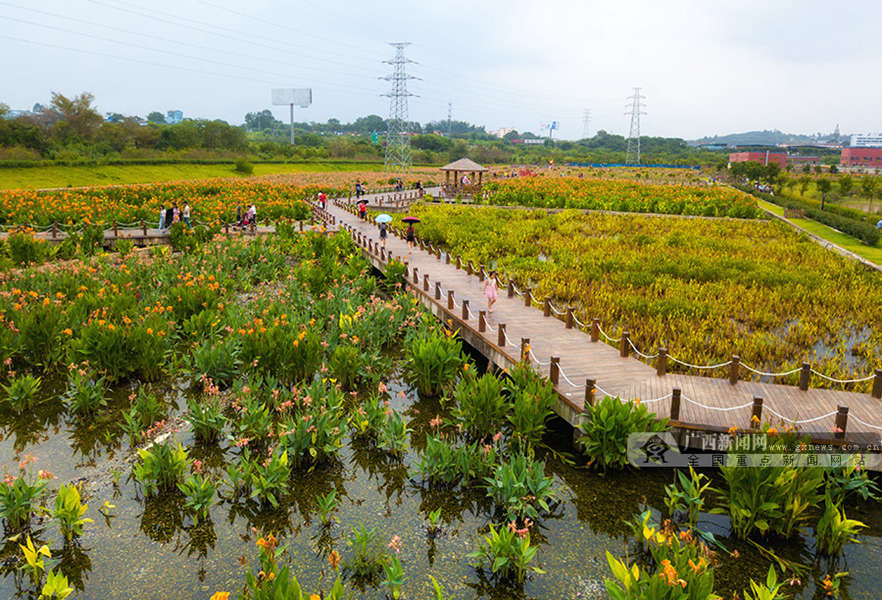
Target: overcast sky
[[705, 67]]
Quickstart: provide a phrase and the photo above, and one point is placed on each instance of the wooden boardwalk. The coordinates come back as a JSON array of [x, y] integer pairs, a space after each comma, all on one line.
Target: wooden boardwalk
[[692, 402]]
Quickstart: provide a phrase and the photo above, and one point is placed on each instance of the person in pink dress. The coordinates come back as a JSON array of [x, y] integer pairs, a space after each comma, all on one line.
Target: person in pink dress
[[490, 290]]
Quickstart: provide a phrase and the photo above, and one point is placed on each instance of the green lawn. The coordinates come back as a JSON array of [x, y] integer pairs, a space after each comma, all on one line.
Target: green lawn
[[58, 176], [871, 253]]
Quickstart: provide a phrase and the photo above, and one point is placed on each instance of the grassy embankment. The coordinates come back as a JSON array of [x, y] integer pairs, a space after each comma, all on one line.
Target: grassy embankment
[[871, 253], [60, 176]]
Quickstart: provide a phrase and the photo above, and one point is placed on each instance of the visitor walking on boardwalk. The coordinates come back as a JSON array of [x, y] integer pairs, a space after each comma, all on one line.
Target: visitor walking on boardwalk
[[323, 200], [362, 211], [169, 216], [410, 237], [239, 216], [161, 217], [490, 290], [186, 214], [383, 229]]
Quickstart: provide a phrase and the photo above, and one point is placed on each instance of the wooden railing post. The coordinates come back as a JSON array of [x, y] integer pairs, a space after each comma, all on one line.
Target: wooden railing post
[[623, 350], [227, 229], [841, 422], [449, 299], [383, 254], [525, 349], [458, 262], [406, 272], [877, 384], [115, 229], [470, 268], [734, 369], [54, 230], [425, 282], [675, 404], [481, 274], [253, 227], [416, 277], [465, 310], [546, 308], [805, 375], [554, 370], [756, 413], [661, 362], [510, 290], [437, 290], [500, 339], [589, 392], [482, 321], [595, 330], [143, 228], [527, 293], [447, 258], [570, 317]]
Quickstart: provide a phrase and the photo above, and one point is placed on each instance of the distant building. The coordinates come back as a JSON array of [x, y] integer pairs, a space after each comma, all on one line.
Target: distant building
[[763, 158], [799, 159], [712, 146], [173, 117], [14, 114], [501, 132], [861, 157], [535, 141], [866, 140]]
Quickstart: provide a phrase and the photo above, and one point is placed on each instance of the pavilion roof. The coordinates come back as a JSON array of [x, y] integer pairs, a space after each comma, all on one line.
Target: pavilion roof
[[463, 164]]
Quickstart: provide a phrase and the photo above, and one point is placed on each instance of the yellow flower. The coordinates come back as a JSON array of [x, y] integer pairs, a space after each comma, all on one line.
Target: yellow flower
[[220, 596], [67, 331]]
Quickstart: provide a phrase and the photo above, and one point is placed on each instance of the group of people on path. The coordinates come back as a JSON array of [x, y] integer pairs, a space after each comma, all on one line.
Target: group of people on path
[[171, 215], [246, 217]]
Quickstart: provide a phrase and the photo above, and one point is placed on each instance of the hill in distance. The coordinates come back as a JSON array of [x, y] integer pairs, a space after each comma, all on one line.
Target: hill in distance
[[760, 138]]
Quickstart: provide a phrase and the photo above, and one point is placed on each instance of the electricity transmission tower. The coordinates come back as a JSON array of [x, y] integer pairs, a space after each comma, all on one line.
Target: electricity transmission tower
[[398, 156], [449, 117], [632, 155], [586, 123]]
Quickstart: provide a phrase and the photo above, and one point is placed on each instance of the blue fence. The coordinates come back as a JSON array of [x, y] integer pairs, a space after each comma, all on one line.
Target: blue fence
[[641, 166]]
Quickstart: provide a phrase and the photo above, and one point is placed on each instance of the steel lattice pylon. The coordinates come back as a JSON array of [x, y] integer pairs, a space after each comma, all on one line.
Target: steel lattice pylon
[[632, 155], [398, 156]]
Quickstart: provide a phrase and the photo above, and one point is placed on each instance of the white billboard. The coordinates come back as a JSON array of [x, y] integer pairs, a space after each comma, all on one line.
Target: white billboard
[[300, 97]]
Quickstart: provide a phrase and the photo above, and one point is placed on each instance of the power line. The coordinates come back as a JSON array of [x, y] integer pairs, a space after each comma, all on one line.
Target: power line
[[398, 156], [157, 37], [634, 132]]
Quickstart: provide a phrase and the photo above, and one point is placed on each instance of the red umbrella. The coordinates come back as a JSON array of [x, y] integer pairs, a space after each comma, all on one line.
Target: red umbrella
[[409, 219]]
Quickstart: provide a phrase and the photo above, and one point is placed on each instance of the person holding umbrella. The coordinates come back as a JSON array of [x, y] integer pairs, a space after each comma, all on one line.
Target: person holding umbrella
[[362, 209], [409, 234], [383, 219]]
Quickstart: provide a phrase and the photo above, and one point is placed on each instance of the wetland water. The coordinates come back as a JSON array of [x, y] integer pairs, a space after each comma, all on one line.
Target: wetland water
[[152, 550]]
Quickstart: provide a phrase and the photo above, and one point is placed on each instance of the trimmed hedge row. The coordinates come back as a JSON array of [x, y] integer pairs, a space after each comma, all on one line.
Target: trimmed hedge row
[[859, 228]]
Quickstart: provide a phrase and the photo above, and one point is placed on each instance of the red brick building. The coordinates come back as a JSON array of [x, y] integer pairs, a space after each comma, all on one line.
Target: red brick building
[[764, 158], [861, 157]]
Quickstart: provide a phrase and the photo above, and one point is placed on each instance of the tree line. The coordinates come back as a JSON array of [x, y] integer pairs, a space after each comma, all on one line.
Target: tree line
[[72, 129]]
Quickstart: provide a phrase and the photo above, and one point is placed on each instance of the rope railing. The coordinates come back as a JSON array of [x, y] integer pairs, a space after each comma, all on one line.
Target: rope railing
[[766, 374], [865, 424], [799, 421], [700, 367], [638, 353], [835, 380]]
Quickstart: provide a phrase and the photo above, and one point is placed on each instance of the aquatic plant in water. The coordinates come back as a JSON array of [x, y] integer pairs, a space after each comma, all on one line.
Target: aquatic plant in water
[[508, 551], [21, 392], [606, 426], [69, 511], [434, 361], [521, 488], [160, 468]]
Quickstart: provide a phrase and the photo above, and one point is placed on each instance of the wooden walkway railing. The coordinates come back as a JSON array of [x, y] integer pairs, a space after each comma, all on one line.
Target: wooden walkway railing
[[582, 367]]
